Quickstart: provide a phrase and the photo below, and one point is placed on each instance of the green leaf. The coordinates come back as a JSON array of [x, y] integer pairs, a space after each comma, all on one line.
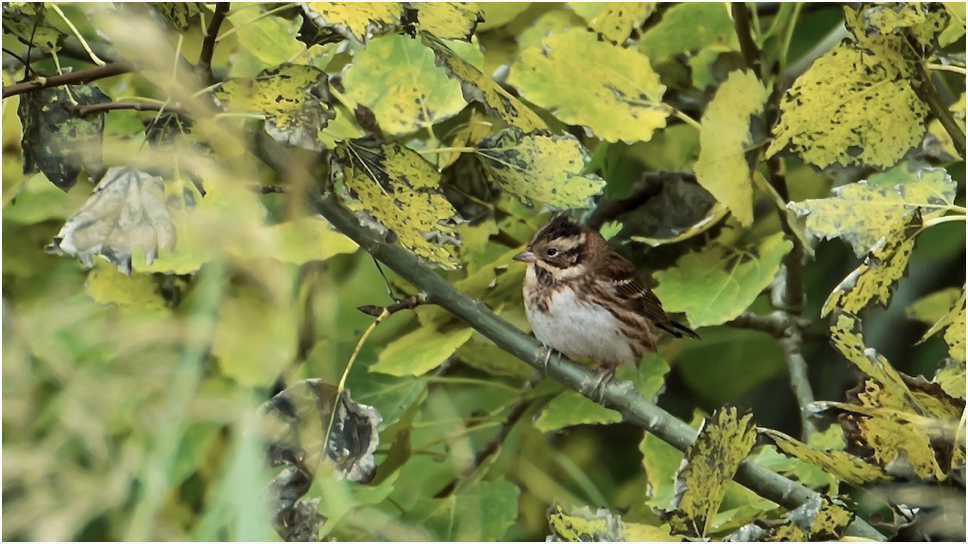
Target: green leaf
[[255, 337], [306, 239], [178, 14], [724, 441], [421, 350], [571, 408], [57, 141], [501, 13], [483, 89], [728, 143], [395, 77], [540, 168], [27, 21], [401, 190], [271, 39], [689, 27], [293, 98], [107, 285], [718, 283], [483, 511], [860, 213], [356, 21], [661, 461], [554, 21], [855, 106], [449, 20], [616, 95]]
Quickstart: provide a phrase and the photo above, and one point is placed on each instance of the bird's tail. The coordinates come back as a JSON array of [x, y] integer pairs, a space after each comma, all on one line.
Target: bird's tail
[[678, 329]]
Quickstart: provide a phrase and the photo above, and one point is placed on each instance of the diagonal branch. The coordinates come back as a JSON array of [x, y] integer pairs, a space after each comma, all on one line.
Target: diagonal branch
[[617, 396], [621, 397]]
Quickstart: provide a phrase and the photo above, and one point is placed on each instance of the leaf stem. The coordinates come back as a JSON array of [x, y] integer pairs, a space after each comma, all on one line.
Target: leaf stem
[[684, 118], [940, 220], [741, 23], [946, 68], [87, 48]]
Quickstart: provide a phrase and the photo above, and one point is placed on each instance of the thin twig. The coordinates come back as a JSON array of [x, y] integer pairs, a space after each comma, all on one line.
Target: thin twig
[[84, 76], [489, 449], [926, 92], [91, 109], [741, 22], [408, 303], [208, 45]]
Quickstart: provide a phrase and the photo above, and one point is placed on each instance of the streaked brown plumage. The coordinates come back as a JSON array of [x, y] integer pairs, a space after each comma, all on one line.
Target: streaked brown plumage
[[584, 300]]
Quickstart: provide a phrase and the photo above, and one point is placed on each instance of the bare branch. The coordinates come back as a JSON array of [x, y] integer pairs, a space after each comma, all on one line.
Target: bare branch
[[208, 45], [926, 91], [84, 76], [408, 303]]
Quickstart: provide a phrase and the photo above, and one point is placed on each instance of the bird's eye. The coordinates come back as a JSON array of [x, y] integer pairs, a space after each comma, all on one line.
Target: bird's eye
[[551, 252]]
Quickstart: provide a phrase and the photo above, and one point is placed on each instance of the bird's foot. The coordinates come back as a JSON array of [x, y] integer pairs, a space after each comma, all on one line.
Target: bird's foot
[[548, 358], [607, 372]]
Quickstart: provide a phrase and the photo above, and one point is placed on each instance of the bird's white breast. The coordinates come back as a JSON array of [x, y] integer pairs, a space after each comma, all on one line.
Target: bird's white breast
[[580, 329]]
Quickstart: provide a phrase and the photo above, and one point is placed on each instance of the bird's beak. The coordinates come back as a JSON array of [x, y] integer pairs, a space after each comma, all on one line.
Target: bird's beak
[[525, 256]]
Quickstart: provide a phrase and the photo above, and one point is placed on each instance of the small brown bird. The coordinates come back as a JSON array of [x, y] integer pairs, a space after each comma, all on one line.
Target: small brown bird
[[584, 300]]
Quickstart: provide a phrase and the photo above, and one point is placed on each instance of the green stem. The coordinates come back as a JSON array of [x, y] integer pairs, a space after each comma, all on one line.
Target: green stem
[[926, 92]]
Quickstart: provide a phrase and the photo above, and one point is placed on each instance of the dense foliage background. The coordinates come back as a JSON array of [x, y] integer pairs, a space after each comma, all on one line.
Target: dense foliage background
[[788, 177]]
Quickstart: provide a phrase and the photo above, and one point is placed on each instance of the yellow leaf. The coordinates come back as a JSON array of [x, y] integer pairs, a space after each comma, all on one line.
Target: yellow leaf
[[356, 20], [616, 20], [951, 378], [847, 337], [540, 168], [932, 308], [854, 106], [449, 20], [727, 146], [395, 76], [401, 190], [583, 525], [846, 467], [107, 285], [860, 213], [293, 99], [723, 443], [498, 101], [873, 281], [612, 91]]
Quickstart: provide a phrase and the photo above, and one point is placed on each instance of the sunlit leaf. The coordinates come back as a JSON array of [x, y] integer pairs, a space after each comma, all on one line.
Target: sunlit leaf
[[571, 408], [449, 20], [951, 378], [615, 20], [854, 106], [271, 39], [716, 284], [356, 21], [861, 213], [724, 441], [420, 351], [732, 127], [821, 519], [844, 466], [922, 22], [540, 168], [306, 239], [480, 88], [293, 98], [56, 140], [612, 91], [874, 280], [931, 308], [106, 285], [583, 525], [401, 190], [395, 76]]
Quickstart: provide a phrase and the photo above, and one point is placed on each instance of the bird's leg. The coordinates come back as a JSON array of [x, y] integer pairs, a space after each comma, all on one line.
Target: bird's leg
[[548, 358], [606, 375]]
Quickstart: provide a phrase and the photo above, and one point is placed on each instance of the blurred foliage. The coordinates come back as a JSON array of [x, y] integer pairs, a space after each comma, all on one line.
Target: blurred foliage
[[165, 275]]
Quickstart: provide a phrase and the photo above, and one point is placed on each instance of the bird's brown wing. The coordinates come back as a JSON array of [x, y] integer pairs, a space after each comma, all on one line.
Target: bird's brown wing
[[630, 290]]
